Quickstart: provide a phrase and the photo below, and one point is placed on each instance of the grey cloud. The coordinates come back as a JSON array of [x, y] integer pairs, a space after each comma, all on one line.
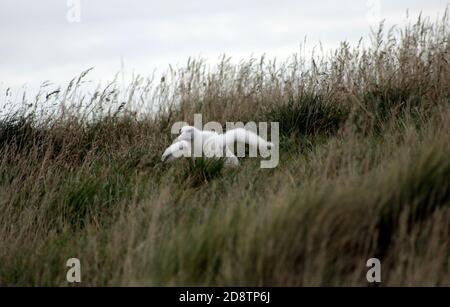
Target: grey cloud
[[36, 38]]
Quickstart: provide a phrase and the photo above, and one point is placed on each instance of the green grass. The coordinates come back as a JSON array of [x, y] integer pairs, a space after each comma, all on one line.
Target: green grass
[[364, 172]]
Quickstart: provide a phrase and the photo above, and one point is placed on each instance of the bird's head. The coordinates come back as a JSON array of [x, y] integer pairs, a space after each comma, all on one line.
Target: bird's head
[[177, 150], [186, 134]]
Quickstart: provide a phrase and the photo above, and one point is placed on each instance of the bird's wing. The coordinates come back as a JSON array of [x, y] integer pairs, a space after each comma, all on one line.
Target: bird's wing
[[242, 135], [206, 134], [215, 147]]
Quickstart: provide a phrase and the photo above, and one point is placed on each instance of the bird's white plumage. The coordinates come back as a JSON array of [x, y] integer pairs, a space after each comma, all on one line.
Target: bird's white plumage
[[212, 144]]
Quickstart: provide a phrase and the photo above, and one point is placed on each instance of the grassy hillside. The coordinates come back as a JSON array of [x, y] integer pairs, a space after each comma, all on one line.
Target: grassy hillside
[[364, 172]]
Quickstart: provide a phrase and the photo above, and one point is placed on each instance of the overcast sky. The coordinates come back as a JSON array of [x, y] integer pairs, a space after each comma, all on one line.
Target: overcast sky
[[57, 39]]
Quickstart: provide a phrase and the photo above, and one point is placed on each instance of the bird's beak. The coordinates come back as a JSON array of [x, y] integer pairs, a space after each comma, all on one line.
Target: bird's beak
[[166, 158]]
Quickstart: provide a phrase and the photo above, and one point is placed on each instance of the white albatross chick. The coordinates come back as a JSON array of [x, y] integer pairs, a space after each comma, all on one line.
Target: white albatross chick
[[212, 144]]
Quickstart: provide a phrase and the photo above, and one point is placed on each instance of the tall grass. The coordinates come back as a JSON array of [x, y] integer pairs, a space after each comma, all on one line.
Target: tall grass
[[364, 172]]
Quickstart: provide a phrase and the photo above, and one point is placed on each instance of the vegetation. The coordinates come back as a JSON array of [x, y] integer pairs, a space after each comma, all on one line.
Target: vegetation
[[364, 172]]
